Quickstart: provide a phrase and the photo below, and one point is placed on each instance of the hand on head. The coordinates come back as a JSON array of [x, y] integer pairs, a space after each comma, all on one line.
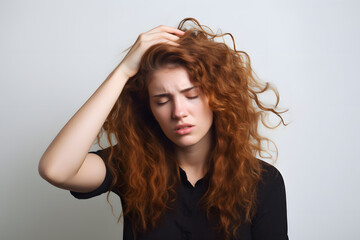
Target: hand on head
[[159, 34]]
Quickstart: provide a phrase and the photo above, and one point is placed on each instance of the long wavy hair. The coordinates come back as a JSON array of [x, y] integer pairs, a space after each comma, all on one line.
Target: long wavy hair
[[144, 168]]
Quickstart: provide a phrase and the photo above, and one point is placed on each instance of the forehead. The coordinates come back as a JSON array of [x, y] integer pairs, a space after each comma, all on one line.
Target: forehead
[[169, 80]]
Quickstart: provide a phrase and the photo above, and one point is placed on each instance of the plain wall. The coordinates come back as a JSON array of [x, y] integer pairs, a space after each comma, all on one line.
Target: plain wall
[[54, 54]]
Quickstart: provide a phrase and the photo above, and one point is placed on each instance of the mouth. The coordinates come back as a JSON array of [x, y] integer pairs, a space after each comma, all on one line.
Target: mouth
[[184, 129]]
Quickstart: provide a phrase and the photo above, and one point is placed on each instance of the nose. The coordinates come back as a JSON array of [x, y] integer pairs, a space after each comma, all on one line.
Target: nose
[[179, 109]]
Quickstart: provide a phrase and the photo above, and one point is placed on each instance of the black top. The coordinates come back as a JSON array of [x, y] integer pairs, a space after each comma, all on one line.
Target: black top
[[189, 222]]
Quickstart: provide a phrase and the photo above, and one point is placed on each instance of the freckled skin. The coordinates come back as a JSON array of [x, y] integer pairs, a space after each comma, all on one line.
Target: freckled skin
[[173, 106]]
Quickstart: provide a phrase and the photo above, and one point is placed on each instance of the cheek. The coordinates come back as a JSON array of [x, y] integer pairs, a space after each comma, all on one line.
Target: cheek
[[159, 114], [204, 108], [207, 114]]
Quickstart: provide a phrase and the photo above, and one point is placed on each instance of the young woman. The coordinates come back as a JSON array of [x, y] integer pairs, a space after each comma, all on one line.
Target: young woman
[[184, 110]]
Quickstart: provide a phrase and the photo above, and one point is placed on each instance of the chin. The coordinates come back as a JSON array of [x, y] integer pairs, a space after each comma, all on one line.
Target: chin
[[185, 143]]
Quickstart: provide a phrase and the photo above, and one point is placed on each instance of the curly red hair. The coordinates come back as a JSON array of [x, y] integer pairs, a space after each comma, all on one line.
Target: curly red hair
[[144, 167]]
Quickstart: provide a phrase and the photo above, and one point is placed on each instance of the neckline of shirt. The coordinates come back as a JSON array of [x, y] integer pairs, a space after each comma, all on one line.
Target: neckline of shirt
[[201, 181]]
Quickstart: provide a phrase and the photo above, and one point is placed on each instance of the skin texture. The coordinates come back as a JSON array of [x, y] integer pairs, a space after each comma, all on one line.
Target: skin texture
[[175, 100]]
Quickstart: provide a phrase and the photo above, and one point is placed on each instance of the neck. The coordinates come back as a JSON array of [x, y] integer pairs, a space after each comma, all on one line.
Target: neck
[[195, 158]]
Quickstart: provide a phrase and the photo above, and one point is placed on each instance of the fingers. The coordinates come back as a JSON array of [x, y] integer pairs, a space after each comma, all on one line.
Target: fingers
[[163, 28], [170, 34], [159, 35], [163, 40]]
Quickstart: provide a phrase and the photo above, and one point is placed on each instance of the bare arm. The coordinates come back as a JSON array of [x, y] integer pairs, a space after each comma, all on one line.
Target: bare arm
[[67, 152], [66, 163]]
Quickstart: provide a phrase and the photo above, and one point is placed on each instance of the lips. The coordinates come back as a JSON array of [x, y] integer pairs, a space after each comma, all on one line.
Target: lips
[[183, 126], [183, 129]]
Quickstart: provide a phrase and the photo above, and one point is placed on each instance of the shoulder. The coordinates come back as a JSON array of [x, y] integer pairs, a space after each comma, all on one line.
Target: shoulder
[[270, 174], [106, 184], [105, 153], [270, 220], [271, 181]]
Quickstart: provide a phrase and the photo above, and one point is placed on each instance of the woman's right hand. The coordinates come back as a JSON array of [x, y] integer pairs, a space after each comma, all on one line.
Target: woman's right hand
[[160, 34]]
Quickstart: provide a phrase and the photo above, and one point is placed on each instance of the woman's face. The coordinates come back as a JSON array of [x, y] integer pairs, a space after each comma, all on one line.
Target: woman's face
[[180, 108]]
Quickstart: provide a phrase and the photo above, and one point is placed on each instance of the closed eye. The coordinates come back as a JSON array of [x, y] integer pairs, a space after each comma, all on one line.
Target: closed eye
[[193, 97], [161, 103], [161, 100]]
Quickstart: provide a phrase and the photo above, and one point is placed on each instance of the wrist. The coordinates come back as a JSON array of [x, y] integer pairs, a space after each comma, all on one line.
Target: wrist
[[122, 72]]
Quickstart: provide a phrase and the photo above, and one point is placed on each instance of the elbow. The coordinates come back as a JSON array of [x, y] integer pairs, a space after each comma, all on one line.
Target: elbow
[[49, 174], [42, 170], [44, 173]]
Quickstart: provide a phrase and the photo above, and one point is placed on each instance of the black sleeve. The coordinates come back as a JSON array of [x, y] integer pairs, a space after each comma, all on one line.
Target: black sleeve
[[104, 187], [270, 221]]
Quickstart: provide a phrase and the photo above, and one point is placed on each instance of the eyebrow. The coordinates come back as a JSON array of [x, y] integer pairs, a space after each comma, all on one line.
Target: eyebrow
[[167, 94]]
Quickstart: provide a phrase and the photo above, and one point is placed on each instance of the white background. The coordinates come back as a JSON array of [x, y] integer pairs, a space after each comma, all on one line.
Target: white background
[[54, 54]]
